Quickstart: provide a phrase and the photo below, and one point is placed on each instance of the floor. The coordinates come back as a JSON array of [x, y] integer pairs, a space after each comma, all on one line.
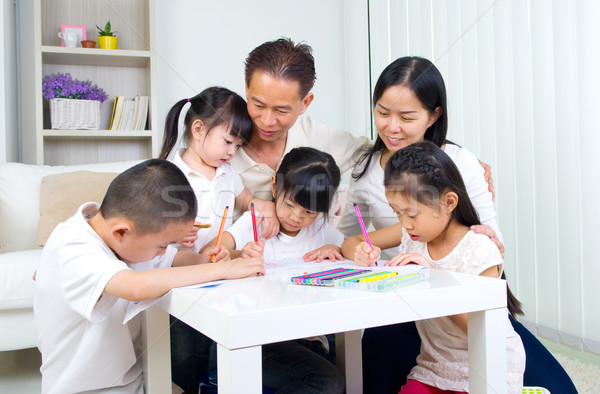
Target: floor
[[19, 372]]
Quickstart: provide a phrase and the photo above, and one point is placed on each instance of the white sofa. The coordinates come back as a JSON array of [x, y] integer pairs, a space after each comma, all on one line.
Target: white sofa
[[19, 252]]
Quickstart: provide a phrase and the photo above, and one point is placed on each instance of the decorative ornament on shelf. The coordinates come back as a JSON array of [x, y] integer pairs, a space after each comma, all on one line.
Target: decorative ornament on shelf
[[106, 37], [88, 44], [74, 104]]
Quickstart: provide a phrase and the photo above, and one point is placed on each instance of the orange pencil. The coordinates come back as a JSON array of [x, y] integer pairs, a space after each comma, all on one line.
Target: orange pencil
[[220, 231]]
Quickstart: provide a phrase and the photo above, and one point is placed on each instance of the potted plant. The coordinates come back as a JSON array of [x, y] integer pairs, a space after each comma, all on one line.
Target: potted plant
[[74, 104], [106, 37]]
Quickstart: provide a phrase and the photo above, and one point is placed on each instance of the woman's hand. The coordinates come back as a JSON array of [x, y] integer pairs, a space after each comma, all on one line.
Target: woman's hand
[[487, 230], [407, 258], [190, 238], [253, 249], [266, 213], [366, 255], [330, 252]]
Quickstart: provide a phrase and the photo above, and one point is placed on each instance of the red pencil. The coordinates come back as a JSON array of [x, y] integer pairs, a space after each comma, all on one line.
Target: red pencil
[[218, 242], [253, 222]]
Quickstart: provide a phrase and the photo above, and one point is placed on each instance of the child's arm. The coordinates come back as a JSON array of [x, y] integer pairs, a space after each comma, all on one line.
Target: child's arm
[[353, 249], [330, 252], [203, 256], [145, 285], [266, 212], [253, 249], [227, 247], [407, 258], [461, 320]]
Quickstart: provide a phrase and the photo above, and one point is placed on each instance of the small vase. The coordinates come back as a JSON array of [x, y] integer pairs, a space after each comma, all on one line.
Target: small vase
[[108, 42], [88, 44]]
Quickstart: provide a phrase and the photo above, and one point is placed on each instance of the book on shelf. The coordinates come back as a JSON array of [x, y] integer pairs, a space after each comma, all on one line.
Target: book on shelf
[[129, 114], [116, 115], [144, 113]]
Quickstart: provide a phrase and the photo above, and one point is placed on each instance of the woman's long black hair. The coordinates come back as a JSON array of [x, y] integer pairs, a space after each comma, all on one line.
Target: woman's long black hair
[[423, 78]]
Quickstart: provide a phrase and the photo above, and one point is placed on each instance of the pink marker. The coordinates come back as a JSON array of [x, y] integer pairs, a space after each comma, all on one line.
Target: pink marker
[[253, 222], [362, 225]]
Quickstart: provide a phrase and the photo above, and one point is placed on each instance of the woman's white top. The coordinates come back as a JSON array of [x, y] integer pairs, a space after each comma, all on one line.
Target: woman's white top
[[369, 194], [444, 359]]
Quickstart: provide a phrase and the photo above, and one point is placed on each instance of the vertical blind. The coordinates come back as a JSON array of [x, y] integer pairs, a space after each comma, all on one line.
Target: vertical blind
[[523, 80]]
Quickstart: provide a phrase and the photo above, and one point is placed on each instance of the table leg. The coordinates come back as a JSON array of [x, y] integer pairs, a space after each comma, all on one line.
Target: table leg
[[487, 351], [348, 352], [239, 370], [157, 351]]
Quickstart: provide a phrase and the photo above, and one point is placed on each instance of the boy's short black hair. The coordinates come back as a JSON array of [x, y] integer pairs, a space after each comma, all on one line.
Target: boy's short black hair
[[151, 194]]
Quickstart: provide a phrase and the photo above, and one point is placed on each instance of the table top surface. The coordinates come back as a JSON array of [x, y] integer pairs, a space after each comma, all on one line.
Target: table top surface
[[266, 309]]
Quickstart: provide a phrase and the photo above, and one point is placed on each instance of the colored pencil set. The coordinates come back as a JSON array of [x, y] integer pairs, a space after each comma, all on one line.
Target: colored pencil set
[[359, 279], [326, 278]]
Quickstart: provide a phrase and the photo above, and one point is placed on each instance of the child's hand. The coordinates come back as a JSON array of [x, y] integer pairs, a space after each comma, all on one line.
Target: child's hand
[[407, 258], [330, 252], [364, 255], [220, 253], [242, 268], [190, 238], [265, 211], [487, 230], [253, 249]]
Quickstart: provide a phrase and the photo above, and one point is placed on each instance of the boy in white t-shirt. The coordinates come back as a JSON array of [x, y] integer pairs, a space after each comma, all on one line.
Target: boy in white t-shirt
[[87, 276]]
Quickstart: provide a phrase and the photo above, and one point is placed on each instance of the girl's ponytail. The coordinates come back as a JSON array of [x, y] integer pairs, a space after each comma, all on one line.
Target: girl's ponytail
[[172, 128], [215, 106]]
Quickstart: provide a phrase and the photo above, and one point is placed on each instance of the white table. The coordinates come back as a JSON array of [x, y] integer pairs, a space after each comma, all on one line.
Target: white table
[[244, 314]]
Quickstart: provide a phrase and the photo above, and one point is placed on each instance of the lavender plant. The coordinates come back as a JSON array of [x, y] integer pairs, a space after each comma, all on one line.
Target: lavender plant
[[64, 86]]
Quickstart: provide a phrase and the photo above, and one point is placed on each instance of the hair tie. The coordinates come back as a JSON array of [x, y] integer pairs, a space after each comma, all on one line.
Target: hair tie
[[188, 100]]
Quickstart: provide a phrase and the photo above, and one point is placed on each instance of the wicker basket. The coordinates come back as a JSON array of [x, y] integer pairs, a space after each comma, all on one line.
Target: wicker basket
[[71, 114]]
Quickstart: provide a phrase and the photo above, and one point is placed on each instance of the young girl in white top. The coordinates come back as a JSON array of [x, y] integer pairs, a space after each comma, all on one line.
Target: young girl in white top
[[426, 192], [303, 189], [217, 124]]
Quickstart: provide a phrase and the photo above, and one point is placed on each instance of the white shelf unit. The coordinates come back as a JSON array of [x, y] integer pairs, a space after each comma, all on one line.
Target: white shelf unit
[[127, 71]]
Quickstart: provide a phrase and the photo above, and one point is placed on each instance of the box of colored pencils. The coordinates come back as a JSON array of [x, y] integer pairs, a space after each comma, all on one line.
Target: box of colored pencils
[[360, 279], [327, 278], [381, 280]]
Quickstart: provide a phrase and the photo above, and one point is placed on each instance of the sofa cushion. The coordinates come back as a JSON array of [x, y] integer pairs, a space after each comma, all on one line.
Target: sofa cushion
[[16, 283], [62, 194], [20, 199]]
